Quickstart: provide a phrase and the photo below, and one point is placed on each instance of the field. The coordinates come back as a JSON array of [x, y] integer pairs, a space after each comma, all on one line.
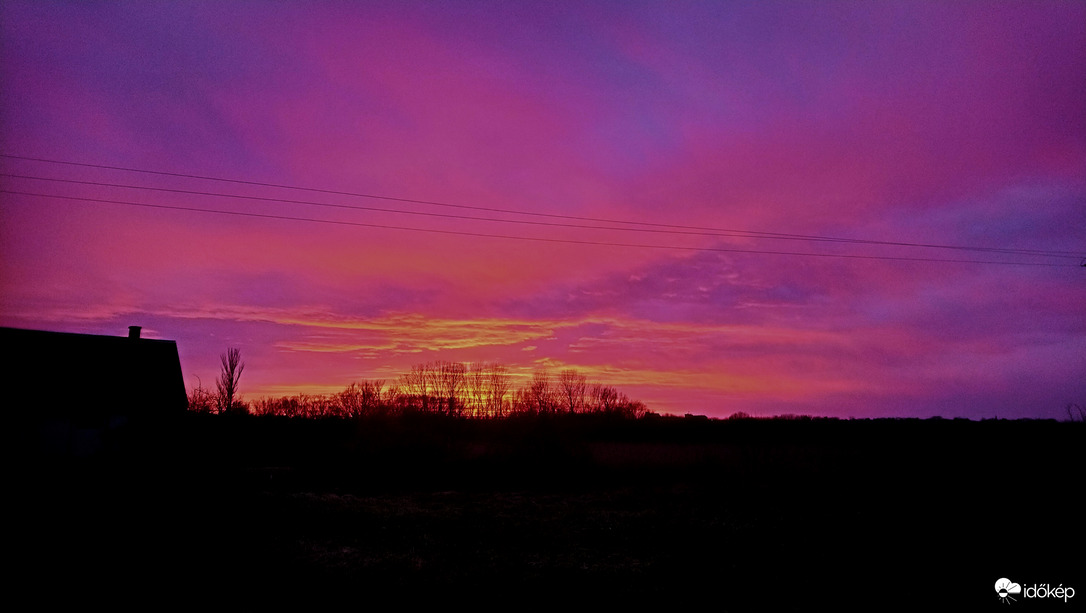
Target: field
[[749, 514]]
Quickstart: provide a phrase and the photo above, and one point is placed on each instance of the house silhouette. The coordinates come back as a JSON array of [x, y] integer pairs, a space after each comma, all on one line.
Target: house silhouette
[[77, 387]]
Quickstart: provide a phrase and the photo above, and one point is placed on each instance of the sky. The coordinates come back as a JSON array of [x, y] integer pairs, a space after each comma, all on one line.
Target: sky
[[643, 191]]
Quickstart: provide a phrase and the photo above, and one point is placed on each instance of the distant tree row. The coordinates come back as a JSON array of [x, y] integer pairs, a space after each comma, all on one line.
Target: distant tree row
[[448, 388]]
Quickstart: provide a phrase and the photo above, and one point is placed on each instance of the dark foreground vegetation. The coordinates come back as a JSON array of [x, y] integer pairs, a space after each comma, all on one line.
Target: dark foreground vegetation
[[742, 514]]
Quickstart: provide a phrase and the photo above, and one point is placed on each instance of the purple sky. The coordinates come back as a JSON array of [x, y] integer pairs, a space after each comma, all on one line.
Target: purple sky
[[954, 124]]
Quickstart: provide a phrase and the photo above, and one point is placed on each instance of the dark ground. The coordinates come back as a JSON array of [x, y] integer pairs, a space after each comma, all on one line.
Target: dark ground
[[735, 515]]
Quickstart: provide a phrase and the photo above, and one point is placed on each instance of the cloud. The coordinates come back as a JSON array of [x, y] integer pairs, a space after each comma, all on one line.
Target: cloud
[[918, 123]]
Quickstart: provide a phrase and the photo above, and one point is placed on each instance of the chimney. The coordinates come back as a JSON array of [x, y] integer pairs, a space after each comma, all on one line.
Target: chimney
[[133, 331]]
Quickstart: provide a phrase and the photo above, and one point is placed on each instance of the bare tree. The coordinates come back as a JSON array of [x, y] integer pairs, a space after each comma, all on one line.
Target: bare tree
[[572, 386], [201, 400], [475, 399], [541, 392], [1072, 408], [416, 386], [452, 388], [227, 383], [498, 388], [360, 399], [451, 379], [605, 398], [521, 402], [391, 398]]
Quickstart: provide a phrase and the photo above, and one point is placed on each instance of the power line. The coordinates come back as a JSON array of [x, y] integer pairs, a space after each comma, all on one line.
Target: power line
[[735, 234], [710, 231], [385, 210], [526, 238]]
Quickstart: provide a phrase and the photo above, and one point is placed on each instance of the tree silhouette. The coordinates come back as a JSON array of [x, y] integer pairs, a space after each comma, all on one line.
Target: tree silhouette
[[541, 393], [227, 383], [498, 387], [1072, 408], [201, 400], [451, 377], [572, 387], [416, 385], [455, 389], [360, 399]]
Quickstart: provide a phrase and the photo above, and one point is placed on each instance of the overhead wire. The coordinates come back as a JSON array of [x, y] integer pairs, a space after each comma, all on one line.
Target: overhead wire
[[385, 210], [641, 227], [526, 238], [720, 234], [676, 227]]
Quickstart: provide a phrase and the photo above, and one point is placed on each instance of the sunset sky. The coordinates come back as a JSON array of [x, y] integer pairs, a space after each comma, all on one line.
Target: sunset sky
[[639, 190]]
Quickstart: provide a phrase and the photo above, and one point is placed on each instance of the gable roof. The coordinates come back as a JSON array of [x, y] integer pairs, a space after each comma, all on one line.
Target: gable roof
[[87, 376]]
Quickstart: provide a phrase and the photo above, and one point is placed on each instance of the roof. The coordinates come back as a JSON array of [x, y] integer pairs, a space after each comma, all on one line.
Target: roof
[[87, 376]]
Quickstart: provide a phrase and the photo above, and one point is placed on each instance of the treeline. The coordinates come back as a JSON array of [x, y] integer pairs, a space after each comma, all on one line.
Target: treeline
[[448, 388]]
